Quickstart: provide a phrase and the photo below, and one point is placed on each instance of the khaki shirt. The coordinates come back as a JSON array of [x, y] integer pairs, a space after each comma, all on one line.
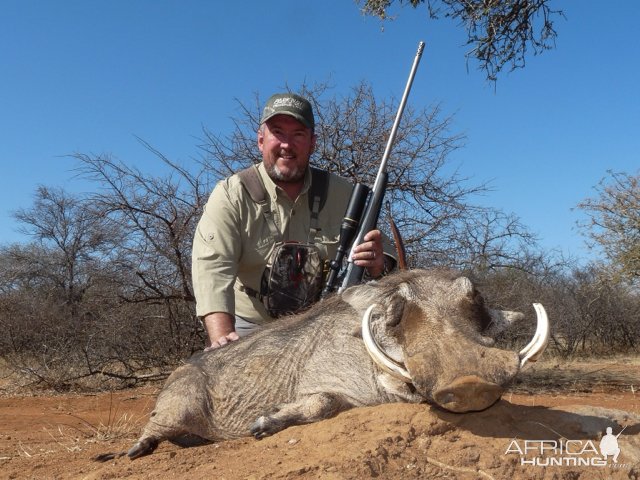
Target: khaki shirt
[[232, 243]]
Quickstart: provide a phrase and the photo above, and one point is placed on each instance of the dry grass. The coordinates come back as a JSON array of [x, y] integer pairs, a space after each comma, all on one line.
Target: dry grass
[[123, 426], [581, 375], [75, 438], [118, 425]]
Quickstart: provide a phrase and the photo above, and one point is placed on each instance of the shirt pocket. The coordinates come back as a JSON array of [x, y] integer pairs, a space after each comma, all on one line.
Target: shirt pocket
[[256, 251]]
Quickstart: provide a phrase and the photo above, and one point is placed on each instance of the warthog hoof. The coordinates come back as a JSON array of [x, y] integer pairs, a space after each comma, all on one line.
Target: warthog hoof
[[265, 426], [143, 447]]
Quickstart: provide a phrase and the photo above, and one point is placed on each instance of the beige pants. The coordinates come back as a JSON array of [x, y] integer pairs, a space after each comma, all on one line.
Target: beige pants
[[244, 328]]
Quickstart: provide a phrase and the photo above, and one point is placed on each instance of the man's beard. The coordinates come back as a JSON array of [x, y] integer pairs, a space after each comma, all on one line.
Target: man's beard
[[293, 176]]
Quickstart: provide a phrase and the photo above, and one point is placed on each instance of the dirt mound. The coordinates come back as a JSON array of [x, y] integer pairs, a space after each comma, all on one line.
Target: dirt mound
[[56, 437]]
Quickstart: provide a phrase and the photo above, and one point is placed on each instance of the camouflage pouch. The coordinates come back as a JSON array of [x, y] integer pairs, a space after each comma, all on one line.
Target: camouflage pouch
[[293, 278]]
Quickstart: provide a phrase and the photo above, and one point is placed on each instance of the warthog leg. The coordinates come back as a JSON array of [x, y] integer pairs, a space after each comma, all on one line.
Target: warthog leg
[[144, 446], [307, 410]]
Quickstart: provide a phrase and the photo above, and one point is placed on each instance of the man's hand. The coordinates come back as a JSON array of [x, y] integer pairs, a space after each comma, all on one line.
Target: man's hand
[[369, 254], [220, 329]]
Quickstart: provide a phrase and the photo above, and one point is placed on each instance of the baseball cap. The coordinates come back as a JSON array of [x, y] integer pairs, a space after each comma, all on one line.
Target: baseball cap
[[289, 104]]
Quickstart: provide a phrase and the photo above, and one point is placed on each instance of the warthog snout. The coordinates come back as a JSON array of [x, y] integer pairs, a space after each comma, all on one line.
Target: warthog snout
[[471, 377], [468, 394]]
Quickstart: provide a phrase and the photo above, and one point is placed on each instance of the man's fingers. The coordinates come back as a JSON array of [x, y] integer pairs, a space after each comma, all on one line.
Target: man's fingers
[[368, 247], [222, 341], [369, 253], [372, 241], [372, 236]]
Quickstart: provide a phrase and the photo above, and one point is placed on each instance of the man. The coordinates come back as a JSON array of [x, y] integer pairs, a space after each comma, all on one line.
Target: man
[[234, 239]]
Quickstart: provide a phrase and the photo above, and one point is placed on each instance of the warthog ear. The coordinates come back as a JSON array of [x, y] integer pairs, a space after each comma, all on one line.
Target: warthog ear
[[358, 297], [391, 299], [501, 320], [395, 309]]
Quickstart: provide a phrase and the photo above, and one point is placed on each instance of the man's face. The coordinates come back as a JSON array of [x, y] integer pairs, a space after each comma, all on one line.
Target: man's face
[[286, 145]]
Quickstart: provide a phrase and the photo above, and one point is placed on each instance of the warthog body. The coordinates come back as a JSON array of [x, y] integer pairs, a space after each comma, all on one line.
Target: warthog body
[[432, 325]]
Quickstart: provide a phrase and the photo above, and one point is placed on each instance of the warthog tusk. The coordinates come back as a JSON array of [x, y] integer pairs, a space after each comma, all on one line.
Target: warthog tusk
[[378, 355], [538, 344]]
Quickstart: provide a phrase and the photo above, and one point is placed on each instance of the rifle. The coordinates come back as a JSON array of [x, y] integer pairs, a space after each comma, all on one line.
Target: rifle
[[354, 219]]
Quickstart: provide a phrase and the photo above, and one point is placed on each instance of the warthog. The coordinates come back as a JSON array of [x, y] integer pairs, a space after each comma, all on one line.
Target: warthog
[[414, 336]]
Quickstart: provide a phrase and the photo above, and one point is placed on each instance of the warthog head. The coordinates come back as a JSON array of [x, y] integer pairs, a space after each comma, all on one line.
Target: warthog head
[[434, 332]]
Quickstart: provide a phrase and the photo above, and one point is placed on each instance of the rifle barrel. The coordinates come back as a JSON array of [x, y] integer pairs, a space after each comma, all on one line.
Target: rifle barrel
[[396, 122]]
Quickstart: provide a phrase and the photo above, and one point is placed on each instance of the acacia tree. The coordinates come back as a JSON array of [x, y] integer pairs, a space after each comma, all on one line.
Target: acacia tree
[[491, 240], [157, 215], [53, 288], [614, 222], [105, 290], [500, 32], [70, 244]]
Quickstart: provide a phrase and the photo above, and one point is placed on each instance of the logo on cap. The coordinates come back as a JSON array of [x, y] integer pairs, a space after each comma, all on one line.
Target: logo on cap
[[289, 104]]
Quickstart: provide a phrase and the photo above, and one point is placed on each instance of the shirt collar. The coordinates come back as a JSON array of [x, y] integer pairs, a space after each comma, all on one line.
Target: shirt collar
[[273, 189]]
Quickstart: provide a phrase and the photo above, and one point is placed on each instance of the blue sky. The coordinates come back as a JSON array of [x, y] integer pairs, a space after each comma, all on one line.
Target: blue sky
[[89, 76]]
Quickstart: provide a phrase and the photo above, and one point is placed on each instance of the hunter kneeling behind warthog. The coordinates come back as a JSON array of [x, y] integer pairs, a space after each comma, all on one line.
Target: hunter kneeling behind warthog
[[415, 336]]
